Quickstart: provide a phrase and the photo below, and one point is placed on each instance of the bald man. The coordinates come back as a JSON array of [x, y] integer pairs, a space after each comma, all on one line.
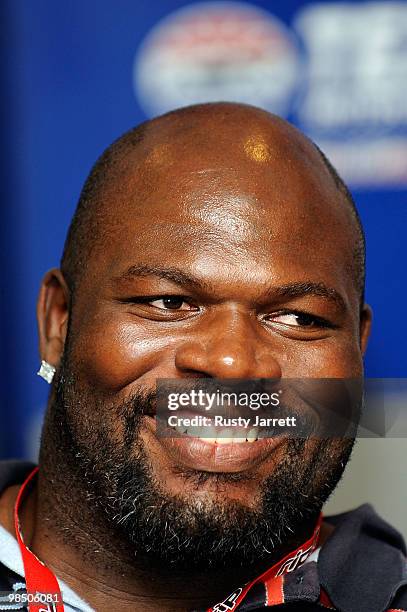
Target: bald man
[[214, 242]]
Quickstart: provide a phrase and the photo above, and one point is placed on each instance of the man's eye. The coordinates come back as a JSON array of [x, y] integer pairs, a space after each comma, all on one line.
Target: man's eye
[[171, 302], [298, 319]]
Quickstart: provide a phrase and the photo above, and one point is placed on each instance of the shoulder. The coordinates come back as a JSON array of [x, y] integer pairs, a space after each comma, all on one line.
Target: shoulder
[[363, 562]]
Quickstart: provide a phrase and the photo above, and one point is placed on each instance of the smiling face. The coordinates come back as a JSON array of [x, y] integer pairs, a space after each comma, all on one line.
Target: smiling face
[[225, 251]]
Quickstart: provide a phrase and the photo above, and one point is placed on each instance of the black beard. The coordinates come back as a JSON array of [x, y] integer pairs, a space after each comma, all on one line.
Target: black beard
[[98, 442]]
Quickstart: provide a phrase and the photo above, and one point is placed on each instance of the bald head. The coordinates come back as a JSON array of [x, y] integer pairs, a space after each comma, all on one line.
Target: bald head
[[220, 140]]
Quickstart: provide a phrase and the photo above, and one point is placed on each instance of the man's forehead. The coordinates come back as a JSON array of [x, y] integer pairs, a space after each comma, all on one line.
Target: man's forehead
[[226, 256], [230, 202]]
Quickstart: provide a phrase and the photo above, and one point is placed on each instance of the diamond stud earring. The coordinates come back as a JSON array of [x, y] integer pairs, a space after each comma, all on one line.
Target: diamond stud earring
[[46, 371]]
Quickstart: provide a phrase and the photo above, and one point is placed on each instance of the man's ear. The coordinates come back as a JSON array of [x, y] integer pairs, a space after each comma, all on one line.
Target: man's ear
[[366, 316], [52, 316]]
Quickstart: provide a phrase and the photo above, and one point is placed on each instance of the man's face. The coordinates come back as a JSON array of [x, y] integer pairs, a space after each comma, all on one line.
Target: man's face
[[209, 268]]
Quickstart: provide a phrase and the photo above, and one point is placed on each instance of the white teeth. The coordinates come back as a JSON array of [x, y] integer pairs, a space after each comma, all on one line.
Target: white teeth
[[238, 440], [252, 435], [229, 436], [216, 436], [210, 434], [225, 436]]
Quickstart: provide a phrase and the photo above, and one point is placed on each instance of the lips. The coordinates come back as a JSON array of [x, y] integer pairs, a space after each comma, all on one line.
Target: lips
[[219, 453]]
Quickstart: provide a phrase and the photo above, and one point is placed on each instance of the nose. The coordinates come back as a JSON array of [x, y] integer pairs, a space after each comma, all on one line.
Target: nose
[[232, 346]]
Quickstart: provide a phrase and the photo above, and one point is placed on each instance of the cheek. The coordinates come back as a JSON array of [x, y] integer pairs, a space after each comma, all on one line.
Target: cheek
[[112, 355], [328, 358]]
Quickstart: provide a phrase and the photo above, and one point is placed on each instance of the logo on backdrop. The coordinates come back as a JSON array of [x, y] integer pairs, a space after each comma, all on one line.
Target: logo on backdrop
[[354, 100], [339, 72], [217, 51]]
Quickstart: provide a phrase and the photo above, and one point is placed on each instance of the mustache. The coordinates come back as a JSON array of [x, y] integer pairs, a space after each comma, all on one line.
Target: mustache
[[140, 403]]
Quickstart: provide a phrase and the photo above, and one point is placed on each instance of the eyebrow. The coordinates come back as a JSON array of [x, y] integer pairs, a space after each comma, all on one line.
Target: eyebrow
[[313, 289], [289, 290], [175, 275]]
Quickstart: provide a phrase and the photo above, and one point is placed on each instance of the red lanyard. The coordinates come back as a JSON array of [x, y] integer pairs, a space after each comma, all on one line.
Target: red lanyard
[[43, 592], [272, 578]]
